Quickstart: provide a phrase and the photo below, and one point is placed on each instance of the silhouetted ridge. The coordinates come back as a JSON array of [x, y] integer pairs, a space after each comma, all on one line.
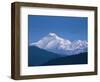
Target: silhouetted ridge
[[68, 60], [41, 57], [37, 56]]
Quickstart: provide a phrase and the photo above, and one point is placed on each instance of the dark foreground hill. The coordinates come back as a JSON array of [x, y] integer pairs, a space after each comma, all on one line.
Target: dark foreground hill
[[40, 57], [69, 60], [37, 56]]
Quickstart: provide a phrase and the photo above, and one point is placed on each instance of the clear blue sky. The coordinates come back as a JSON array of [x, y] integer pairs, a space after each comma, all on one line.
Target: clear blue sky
[[72, 28]]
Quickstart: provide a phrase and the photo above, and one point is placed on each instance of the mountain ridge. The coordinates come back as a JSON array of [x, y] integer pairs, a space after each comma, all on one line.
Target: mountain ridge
[[53, 43]]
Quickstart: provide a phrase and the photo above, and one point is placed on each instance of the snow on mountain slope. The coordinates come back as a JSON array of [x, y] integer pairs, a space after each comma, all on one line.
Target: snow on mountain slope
[[56, 44]]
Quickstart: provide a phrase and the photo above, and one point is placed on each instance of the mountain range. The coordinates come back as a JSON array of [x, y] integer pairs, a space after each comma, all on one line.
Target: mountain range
[[53, 43]]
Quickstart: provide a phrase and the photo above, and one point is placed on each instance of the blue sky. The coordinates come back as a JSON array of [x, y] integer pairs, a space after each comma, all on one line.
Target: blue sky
[[72, 28]]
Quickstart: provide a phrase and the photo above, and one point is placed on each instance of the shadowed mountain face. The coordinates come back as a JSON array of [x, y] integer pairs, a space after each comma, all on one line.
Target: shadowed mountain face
[[37, 56], [41, 57]]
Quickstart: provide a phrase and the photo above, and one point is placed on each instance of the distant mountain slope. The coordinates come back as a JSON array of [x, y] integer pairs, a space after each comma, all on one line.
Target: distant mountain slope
[[53, 43], [37, 56], [41, 57], [69, 60]]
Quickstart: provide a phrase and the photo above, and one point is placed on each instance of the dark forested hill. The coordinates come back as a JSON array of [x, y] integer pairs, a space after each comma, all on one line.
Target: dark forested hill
[[40, 57]]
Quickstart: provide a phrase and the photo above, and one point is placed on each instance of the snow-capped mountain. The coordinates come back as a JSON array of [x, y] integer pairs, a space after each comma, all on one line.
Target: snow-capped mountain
[[56, 44]]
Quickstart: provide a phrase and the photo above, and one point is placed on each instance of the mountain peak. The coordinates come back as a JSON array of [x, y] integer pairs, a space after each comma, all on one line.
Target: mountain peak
[[52, 34]]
